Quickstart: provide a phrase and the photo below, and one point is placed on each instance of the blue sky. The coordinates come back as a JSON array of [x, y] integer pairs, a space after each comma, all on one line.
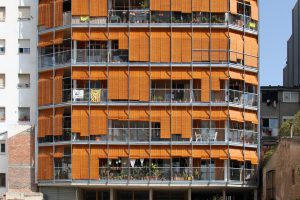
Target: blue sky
[[275, 30]]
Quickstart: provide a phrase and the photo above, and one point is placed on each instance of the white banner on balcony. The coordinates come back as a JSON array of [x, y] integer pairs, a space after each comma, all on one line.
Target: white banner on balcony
[[78, 94]]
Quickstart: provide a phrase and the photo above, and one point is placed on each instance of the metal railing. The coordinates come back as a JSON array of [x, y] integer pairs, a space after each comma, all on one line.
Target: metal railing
[[177, 174], [62, 173], [175, 95], [243, 20], [206, 135], [241, 136], [94, 95]]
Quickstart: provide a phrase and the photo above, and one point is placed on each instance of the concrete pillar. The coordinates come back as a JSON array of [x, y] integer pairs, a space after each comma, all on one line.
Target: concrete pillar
[[225, 170], [223, 194], [150, 194], [255, 195], [190, 194], [75, 51], [111, 194]]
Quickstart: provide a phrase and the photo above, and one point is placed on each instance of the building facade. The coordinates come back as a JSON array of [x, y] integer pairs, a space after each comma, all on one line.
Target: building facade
[[278, 104], [282, 171], [291, 72], [148, 99], [18, 56]]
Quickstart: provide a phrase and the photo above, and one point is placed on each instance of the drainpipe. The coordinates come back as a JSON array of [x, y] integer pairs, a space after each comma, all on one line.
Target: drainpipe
[[292, 129]]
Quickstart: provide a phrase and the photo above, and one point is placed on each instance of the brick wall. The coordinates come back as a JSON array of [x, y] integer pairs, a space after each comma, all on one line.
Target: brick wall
[[21, 160]]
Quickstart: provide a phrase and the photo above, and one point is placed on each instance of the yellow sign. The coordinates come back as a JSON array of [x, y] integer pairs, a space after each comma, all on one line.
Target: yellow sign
[[84, 18], [95, 95]]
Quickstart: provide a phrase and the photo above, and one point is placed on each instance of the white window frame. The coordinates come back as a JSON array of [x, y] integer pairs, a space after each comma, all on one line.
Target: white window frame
[[2, 46], [290, 98], [25, 48], [2, 143], [4, 13], [20, 17], [22, 85], [2, 77]]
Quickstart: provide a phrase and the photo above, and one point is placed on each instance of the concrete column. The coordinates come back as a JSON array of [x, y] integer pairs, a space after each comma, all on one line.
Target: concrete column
[[74, 53], [150, 194], [111, 194], [255, 195], [223, 194], [190, 194], [225, 170]]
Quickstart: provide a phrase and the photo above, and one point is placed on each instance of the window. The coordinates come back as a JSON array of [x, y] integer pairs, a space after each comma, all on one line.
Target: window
[[290, 97], [2, 180], [244, 8], [24, 114], [2, 46], [24, 46], [2, 114], [24, 13], [2, 14], [270, 185], [2, 81], [24, 81], [2, 147], [270, 127], [269, 96]]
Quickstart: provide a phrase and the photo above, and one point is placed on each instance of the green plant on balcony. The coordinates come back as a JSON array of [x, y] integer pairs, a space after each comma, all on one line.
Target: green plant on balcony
[[155, 172], [204, 19]]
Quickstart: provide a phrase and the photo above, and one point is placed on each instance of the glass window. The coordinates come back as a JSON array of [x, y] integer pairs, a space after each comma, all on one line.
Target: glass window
[[290, 97], [24, 114], [24, 46], [2, 147], [2, 14], [2, 180], [24, 13], [2, 114], [24, 81], [269, 96], [2, 81], [2, 46]]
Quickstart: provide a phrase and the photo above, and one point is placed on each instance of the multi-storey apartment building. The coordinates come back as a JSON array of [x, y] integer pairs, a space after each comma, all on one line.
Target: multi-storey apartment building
[[148, 99], [18, 56]]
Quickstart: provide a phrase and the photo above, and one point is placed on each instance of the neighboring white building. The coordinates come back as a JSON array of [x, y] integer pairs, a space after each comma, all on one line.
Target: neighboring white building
[[18, 65]]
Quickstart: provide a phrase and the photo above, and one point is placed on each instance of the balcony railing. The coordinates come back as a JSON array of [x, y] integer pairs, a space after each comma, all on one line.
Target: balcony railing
[[176, 95], [94, 95], [206, 135], [234, 97], [62, 173], [99, 55], [240, 136], [242, 20], [177, 174]]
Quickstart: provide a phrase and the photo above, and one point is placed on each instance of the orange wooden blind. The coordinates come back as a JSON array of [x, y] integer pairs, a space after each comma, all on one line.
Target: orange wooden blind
[[58, 128], [236, 154], [96, 153], [45, 121], [80, 7], [233, 6], [201, 40], [181, 151], [181, 46], [45, 163], [205, 89], [137, 152], [219, 152], [118, 84], [80, 162], [254, 9], [181, 122], [160, 45], [160, 5], [139, 45], [218, 114], [139, 84], [46, 13], [251, 51], [162, 115], [45, 88], [118, 113], [219, 6], [236, 46], [251, 78], [58, 13], [58, 85], [201, 152], [236, 115], [118, 151], [80, 120], [160, 152], [201, 113], [184, 6], [98, 121], [251, 117], [234, 74], [98, 8], [219, 46], [82, 73]]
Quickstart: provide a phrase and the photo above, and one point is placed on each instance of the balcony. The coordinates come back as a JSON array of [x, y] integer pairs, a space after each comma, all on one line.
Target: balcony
[[177, 174], [242, 136], [235, 97], [243, 21], [93, 95], [176, 95], [206, 135]]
